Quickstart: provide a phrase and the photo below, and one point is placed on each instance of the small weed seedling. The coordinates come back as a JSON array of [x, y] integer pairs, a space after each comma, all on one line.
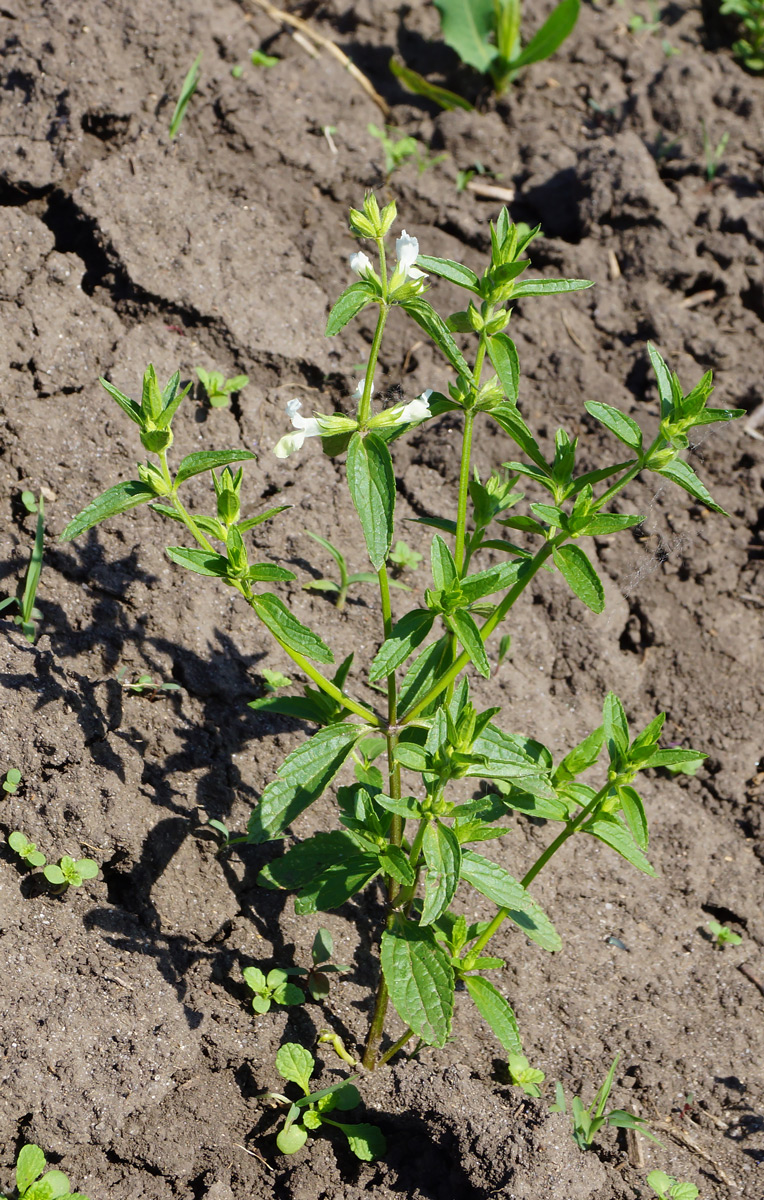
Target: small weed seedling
[[723, 935], [403, 558], [588, 1121], [187, 90], [219, 389], [397, 151], [640, 24], [306, 1115], [424, 727], [749, 49], [12, 781], [259, 58], [69, 873], [713, 155], [273, 988], [486, 35], [145, 683], [27, 612], [666, 1187], [274, 680], [26, 850], [316, 979], [346, 581], [29, 500], [32, 1184], [524, 1076]]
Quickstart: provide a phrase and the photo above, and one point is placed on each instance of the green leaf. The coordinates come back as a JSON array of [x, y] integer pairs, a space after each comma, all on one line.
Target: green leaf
[[663, 376], [299, 707], [295, 1064], [581, 757], [394, 862], [426, 668], [444, 573], [133, 410], [406, 635], [673, 757], [420, 86], [371, 480], [680, 472], [468, 634], [580, 576], [290, 1140], [251, 522], [350, 303], [496, 1011], [513, 424], [551, 35], [54, 875], [503, 355], [455, 272], [420, 980], [116, 500], [498, 885], [603, 524], [614, 833], [615, 726], [367, 1142], [203, 562], [443, 856], [86, 868], [209, 460], [54, 1185], [337, 883], [302, 778], [29, 1164], [435, 327], [617, 422], [550, 287], [323, 946], [634, 813], [269, 573], [307, 860], [495, 579], [186, 92], [285, 626], [467, 26]]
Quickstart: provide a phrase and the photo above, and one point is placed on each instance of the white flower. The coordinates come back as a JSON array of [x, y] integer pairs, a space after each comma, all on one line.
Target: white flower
[[407, 251], [361, 263], [305, 427], [358, 393], [417, 410]]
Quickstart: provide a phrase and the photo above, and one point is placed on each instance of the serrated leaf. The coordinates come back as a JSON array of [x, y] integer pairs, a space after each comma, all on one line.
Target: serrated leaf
[[498, 885], [496, 1011], [468, 634], [407, 634], [444, 573], [551, 35], [371, 480], [603, 524], [634, 814], [681, 473], [112, 502], [446, 268], [615, 726], [581, 757], [295, 1064], [422, 673], [301, 779], [334, 886], [673, 758], [285, 626], [133, 410], [367, 1142], [513, 424], [269, 513], [299, 707], [420, 980], [467, 26], [503, 355], [626, 430], [30, 1164], [663, 376], [495, 579], [420, 86], [350, 303], [435, 327], [269, 573], [307, 859], [613, 833], [209, 460], [202, 562], [394, 862], [550, 287], [443, 856], [580, 576]]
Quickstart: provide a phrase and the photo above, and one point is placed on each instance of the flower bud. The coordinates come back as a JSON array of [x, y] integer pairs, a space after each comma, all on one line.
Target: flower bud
[[156, 440], [360, 224], [153, 478]]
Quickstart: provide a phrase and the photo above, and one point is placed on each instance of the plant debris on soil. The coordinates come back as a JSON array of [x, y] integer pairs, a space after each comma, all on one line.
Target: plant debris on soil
[[129, 1051]]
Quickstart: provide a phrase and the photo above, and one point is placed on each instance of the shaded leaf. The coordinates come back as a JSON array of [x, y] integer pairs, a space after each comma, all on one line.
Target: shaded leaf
[[496, 1011], [116, 500], [420, 980]]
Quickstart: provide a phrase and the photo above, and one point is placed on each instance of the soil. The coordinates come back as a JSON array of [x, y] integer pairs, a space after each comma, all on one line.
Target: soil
[[128, 1050]]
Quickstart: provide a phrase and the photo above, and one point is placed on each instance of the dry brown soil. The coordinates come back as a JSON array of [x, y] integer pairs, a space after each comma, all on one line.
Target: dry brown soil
[[128, 1051]]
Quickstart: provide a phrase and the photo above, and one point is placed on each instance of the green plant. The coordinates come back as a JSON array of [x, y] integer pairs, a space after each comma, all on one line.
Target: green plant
[[29, 500], [398, 150], [31, 1184], [524, 1076], [749, 49], [219, 389], [70, 873], [316, 979], [403, 558], [26, 850], [723, 935], [274, 680], [273, 988], [587, 1122], [713, 154], [187, 90], [145, 683], [640, 24], [27, 612], [259, 58], [405, 825], [486, 35], [12, 780], [346, 581], [307, 1115], [666, 1187]]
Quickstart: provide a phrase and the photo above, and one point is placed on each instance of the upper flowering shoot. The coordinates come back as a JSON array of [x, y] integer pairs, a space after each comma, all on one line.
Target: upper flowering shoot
[[304, 427], [406, 275], [414, 412]]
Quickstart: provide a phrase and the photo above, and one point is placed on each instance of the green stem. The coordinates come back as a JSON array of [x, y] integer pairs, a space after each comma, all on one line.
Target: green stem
[[364, 408], [407, 1036], [464, 483]]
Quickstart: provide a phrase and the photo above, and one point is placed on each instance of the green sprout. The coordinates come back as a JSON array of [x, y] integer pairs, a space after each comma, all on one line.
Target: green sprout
[[186, 92], [666, 1187], [274, 680], [524, 1076], [295, 1064], [31, 1184], [273, 988], [346, 581], [723, 935], [588, 1121], [316, 979], [749, 49], [218, 388], [260, 59], [70, 873], [26, 850], [145, 683], [29, 500], [12, 781], [25, 603], [404, 558], [713, 155], [397, 151]]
